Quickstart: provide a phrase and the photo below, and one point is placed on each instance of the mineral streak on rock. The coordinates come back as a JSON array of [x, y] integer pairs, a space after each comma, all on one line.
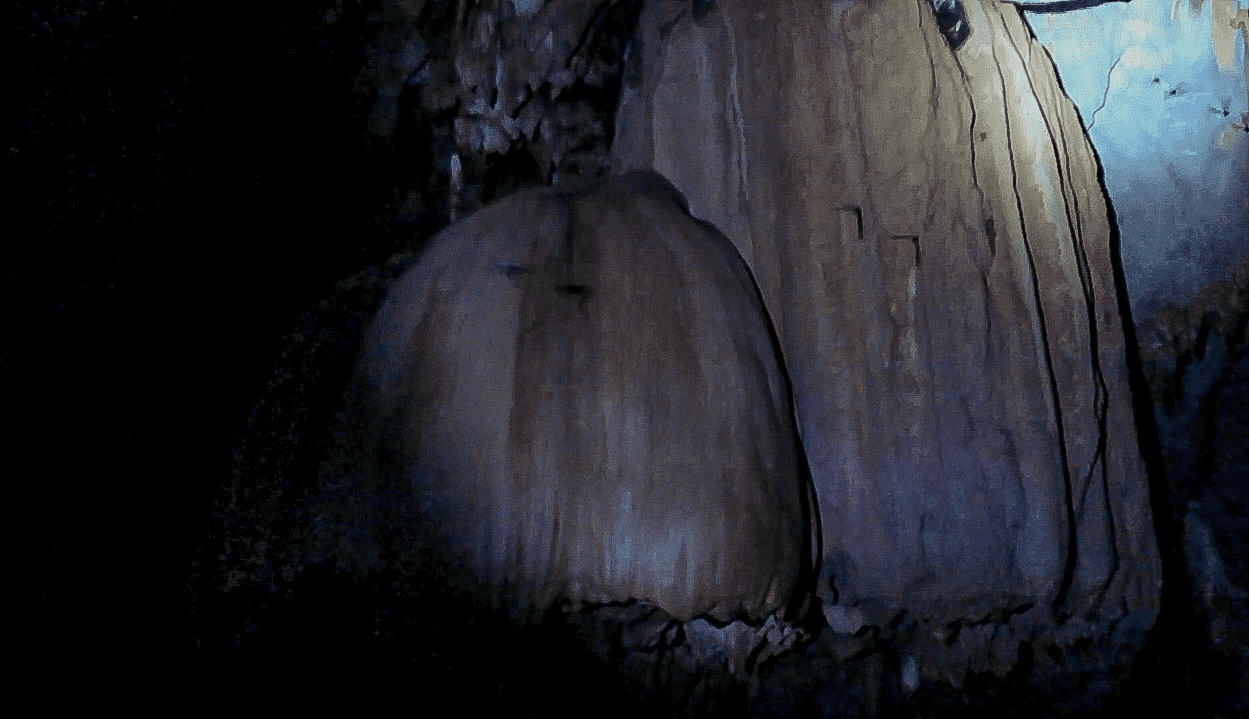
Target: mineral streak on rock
[[967, 416]]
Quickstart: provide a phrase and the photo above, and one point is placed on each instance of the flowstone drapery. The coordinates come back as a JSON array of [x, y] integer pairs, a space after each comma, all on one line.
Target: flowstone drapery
[[579, 397], [931, 238]]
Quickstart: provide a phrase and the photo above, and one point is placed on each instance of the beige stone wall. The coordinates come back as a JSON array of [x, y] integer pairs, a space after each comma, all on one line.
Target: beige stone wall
[[931, 239]]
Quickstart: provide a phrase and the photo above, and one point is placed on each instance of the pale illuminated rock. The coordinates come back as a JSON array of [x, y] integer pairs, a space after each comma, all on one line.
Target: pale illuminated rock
[[579, 397], [932, 242]]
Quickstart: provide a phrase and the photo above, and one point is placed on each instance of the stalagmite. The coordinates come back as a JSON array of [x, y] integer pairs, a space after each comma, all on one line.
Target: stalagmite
[[578, 396]]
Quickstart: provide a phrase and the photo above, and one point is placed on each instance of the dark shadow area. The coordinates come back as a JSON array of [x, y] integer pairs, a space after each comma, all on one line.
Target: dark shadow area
[[188, 181], [339, 643]]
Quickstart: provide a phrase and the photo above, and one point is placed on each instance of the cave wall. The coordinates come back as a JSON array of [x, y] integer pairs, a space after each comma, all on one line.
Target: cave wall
[[933, 243]]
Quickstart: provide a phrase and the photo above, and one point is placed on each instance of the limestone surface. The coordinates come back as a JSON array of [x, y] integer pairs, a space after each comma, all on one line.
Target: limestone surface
[[579, 397], [932, 241]]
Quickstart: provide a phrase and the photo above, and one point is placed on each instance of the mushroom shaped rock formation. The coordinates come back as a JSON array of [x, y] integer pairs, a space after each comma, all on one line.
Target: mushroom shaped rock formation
[[584, 398], [929, 232]]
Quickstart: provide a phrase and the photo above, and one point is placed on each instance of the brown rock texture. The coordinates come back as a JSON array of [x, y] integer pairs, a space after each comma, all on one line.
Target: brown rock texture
[[931, 238], [478, 99], [584, 398]]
